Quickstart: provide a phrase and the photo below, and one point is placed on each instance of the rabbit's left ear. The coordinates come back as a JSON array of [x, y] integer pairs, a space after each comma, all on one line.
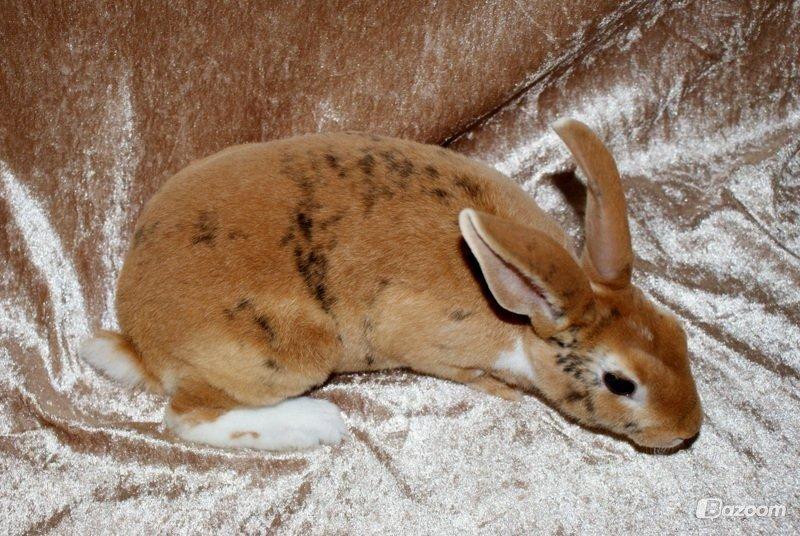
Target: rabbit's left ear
[[528, 272], [607, 255]]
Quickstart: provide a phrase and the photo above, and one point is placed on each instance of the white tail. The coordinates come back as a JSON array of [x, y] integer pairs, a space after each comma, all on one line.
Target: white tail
[[113, 355]]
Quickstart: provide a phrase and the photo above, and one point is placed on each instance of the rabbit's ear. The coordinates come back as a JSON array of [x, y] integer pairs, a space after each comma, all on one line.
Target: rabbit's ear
[[607, 256], [528, 272]]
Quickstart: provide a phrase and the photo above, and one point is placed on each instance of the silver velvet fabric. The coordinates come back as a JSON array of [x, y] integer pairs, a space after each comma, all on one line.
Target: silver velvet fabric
[[700, 103]]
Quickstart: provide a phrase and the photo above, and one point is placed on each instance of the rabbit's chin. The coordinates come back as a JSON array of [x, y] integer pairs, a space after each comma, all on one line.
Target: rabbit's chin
[[662, 442]]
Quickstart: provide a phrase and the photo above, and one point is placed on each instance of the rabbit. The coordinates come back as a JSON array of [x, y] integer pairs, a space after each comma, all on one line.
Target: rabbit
[[258, 272]]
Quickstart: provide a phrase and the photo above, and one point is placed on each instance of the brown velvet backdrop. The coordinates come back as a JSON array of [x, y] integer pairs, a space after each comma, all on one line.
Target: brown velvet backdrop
[[700, 101]]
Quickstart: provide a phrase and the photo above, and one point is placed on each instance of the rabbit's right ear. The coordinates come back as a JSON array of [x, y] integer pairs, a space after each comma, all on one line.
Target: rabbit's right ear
[[528, 272]]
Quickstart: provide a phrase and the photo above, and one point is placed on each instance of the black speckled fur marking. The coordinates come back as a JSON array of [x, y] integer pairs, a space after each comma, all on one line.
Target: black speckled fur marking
[[304, 223], [399, 166], [260, 319], [439, 194], [576, 366], [240, 306], [431, 172], [332, 220], [460, 314], [332, 161], [632, 428], [367, 164], [469, 185], [574, 396], [263, 323], [312, 235], [236, 234], [373, 192], [143, 233], [206, 228], [313, 266]]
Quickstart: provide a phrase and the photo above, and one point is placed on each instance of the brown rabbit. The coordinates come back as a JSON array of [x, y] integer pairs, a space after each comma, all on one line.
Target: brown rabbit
[[258, 272]]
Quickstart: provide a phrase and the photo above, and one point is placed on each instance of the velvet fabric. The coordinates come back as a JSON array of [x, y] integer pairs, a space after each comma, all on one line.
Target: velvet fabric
[[101, 102]]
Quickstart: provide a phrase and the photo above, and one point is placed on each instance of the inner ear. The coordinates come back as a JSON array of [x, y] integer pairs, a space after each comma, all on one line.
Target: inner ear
[[527, 272], [510, 287]]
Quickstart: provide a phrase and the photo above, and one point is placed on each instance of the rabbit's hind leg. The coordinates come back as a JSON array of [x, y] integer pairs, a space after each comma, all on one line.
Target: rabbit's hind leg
[[241, 387], [202, 413]]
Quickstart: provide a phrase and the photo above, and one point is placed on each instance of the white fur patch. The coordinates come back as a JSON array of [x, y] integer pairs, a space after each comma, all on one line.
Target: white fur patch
[[296, 423], [105, 354], [168, 381], [516, 362]]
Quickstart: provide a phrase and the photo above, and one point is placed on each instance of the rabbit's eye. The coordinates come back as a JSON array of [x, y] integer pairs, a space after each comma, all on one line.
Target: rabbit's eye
[[618, 385]]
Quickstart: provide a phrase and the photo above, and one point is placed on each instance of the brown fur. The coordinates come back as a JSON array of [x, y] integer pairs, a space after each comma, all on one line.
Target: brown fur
[[258, 272]]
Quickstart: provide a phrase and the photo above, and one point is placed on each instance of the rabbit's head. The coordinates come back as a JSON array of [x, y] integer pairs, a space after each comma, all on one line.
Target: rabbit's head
[[608, 356]]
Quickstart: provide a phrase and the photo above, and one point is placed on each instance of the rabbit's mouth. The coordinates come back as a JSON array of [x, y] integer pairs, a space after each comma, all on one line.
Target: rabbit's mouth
[[661, 440]]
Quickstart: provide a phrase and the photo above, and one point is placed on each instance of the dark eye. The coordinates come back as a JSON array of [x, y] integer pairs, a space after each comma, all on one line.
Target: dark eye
[[618, 385]]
